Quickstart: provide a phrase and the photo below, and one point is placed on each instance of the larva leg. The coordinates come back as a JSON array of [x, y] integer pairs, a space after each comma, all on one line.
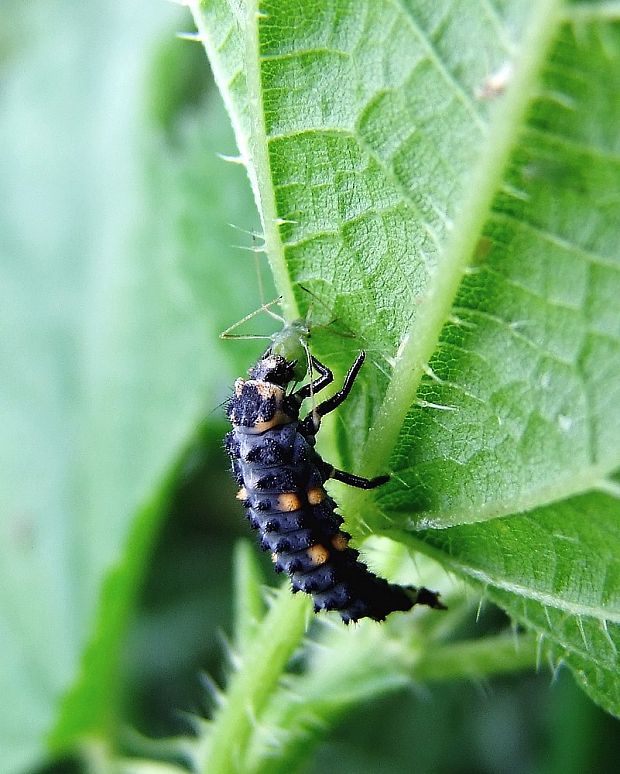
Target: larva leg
[[312, 422], [332, 403], [325, 377], [358, 481]]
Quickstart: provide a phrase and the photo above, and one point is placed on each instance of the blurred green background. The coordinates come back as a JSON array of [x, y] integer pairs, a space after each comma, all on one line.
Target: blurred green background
[[119, 270]]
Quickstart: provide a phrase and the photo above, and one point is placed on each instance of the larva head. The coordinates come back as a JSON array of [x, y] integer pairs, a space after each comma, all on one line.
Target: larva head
[[273, 369]]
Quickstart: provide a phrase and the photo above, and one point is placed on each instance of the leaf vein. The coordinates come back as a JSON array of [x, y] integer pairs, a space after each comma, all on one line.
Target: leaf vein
[[593, 151], [560, 241], [433, 55]]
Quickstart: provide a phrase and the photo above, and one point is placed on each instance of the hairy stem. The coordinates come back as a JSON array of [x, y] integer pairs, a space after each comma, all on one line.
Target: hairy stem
[[479, 658], [278, 636]]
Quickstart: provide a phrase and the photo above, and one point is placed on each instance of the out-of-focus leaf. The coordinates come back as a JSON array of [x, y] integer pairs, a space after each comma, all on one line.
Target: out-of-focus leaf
[[118, 273]]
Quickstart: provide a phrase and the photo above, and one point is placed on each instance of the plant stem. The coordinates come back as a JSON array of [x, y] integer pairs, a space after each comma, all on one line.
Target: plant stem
[[478, 658], [249, 604], [279, 635]]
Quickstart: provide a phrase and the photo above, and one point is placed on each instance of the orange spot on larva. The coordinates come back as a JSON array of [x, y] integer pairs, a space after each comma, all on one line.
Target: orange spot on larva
[[318, 554], [340, 541], [288, 501], [316, 495]]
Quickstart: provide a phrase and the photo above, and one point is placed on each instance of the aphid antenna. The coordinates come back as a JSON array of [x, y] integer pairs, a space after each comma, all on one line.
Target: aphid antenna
[[315, 297], [348, 334], [259, 280], [243, 336], [315, 416], [379, 368]]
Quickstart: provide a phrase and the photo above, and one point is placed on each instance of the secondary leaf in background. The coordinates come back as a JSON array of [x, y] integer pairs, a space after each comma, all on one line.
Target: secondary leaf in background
[[109, 320]]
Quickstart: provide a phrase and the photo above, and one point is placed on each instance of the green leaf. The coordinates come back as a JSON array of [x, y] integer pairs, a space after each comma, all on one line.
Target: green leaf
[[557, 571], [446, 182], [353, 149], [529, 367], [112, 238]]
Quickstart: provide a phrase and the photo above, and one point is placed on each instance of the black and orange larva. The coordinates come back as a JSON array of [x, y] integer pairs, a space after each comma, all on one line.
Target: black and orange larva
[[281, 478]]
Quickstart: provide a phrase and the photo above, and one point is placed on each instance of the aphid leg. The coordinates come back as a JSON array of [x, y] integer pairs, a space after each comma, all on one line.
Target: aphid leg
[[310, 359], [266, 308], [358, 481]]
